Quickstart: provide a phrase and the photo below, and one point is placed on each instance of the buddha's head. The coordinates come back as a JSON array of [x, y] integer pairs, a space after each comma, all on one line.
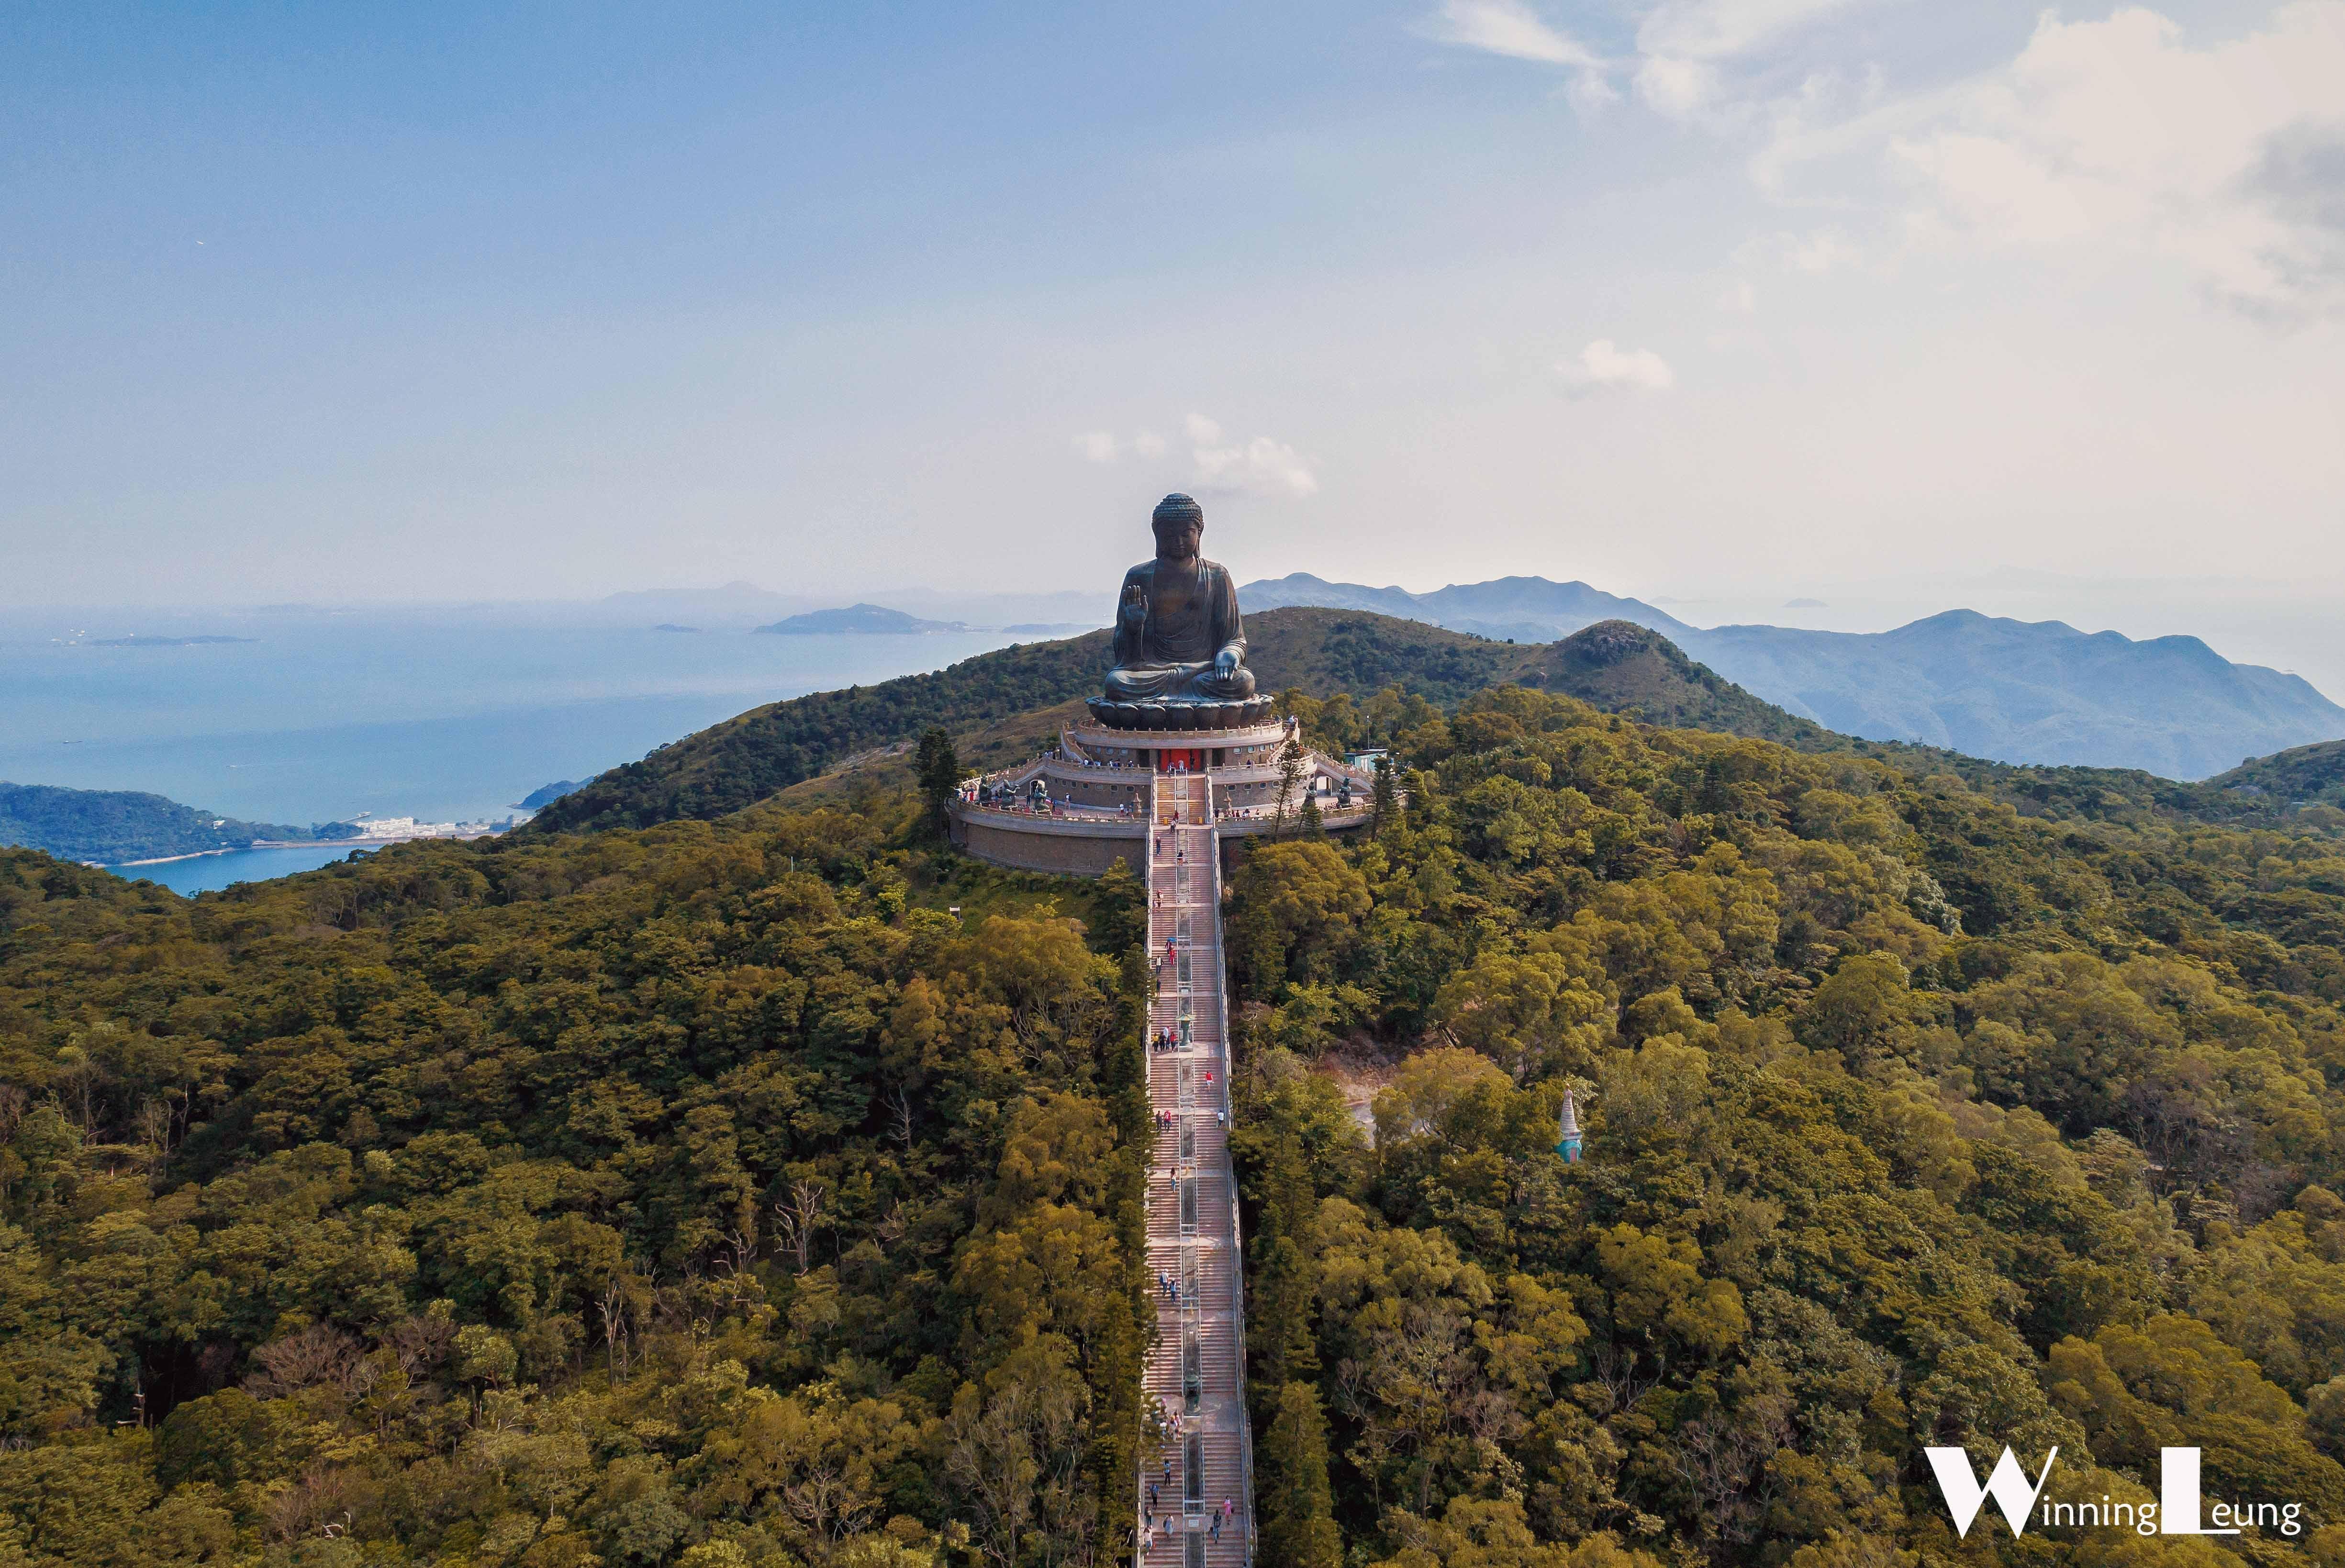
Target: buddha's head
[[1180, 524]]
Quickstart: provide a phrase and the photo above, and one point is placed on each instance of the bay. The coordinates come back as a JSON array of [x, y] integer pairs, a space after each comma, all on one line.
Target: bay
[[442, 716], [208, 873]]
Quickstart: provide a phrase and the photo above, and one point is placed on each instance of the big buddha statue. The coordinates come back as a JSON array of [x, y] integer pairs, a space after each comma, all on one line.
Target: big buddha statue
[[1179, 653]]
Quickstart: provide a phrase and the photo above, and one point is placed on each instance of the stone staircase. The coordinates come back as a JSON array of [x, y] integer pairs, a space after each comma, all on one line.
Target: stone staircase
[[1195, 1371]]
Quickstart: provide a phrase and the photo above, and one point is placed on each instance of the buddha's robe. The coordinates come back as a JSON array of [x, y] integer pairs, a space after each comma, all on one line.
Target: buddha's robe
[[1170, 655]]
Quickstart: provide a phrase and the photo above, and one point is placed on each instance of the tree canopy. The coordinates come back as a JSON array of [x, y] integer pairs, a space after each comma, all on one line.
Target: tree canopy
[[1910, 1120], [705, 1195]]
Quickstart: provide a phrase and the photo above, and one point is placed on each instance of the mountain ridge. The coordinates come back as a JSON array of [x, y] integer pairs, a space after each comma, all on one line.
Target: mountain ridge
[[2039, 693], [1314, 650], [1002, 706]]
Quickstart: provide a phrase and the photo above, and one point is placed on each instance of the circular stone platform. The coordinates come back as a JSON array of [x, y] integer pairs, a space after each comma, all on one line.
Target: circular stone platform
[[1197, 747], [1194, 715]]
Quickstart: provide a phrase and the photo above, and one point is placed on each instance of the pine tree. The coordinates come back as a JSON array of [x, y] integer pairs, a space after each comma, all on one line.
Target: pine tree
[[940, 775], [1386, 798], [1297, 1506], [1310, 822], [1290, 774], [1280, 1326]]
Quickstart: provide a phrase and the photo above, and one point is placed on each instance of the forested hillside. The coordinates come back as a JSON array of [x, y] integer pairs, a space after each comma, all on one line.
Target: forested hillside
[[769, 749], [758, 753], [707, 1194], [2310, 775], [991, 706], [1909, 1121], [703, 1196], [109, 826]]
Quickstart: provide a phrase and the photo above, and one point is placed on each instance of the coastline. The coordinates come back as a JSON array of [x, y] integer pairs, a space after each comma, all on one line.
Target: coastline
[[292, 843], [359, 843], [170, 859]]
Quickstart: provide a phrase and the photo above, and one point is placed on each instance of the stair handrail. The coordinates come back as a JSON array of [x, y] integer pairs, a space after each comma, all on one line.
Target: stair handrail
[[1237, 1236], [1147, 1185]]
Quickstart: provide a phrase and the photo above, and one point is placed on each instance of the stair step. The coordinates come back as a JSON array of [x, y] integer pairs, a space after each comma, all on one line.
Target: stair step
[[1206, 1258]]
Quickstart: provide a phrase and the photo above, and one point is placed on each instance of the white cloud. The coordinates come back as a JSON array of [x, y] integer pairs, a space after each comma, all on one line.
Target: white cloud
[[1509, 27], [1260, 467], [1741, 298], [1825, 250], [1675, 88], [1603, 365], [2119, 136], [2117, 133], [1683, 47], [1722, 29]]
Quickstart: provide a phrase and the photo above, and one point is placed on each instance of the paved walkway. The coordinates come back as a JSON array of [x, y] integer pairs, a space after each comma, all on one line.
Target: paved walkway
[[1195, 1371]]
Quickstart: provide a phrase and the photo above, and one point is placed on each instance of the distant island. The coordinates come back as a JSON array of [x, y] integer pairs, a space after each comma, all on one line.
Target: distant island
[[869, 619], [546, 795], [672, 626], [115, 827], [161, 641]]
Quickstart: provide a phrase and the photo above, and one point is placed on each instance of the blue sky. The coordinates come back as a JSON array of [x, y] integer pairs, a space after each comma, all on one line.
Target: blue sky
[[1736, 297]]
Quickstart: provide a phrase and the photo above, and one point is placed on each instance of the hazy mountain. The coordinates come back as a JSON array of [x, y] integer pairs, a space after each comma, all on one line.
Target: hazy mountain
[[1625, 668], [738, 606], [1527, 609], [736, 603], [2029, 691], [875, 620], [2014, 690]]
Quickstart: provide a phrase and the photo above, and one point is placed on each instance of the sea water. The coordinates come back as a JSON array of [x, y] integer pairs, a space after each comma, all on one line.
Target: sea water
[[439, 716], [204, 873]]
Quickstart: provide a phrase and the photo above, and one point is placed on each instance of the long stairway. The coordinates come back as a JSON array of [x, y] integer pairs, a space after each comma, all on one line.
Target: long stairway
[[1196, 1372]]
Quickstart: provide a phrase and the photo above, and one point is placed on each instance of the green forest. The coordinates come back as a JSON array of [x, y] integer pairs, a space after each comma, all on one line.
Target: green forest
[[1910, 1121], [764, 1191], [709, 1195]]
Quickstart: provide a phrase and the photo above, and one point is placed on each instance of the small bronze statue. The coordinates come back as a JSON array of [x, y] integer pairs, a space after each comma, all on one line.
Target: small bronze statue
[[1180, 648]]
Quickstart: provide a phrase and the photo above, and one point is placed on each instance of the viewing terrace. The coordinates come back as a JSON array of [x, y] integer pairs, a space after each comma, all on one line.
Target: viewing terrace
[[1083, 806]]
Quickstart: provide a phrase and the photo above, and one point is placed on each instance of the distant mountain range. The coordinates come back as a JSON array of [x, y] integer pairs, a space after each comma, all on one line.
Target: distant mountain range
[[2013, 691], [1527, 609]]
